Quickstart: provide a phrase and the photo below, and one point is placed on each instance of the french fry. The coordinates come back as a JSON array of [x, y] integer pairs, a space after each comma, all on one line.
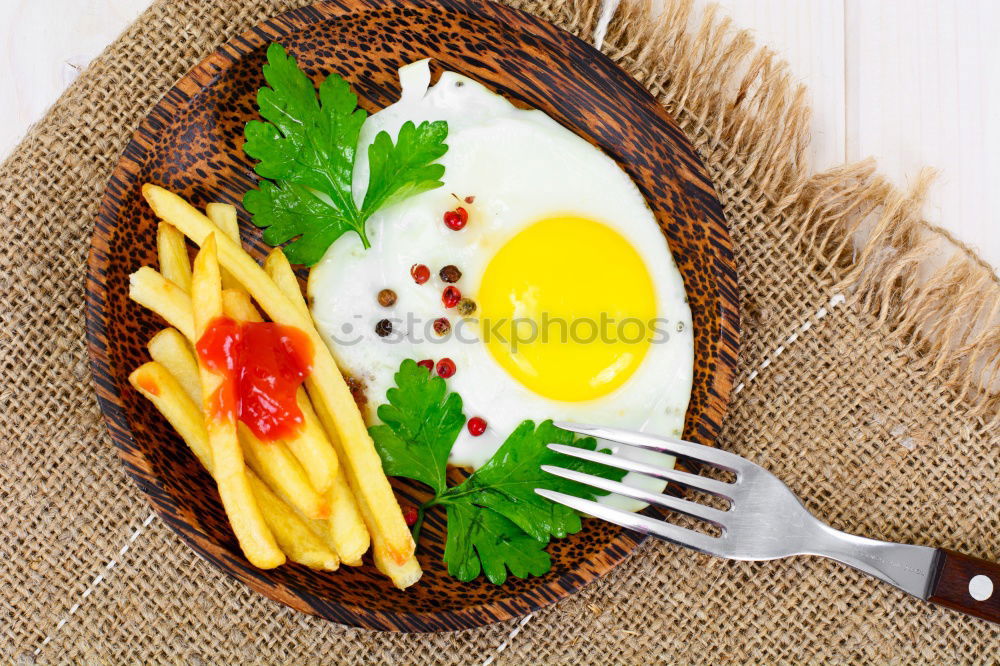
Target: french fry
[[151, 290], [401, 575], [310, 445], [248, 524], [332, 400], [171, 248], [224, 217], [171, 350], [155, 382], [276, 462], [348, 530], [236, 304], [294, 537], [280, 270]]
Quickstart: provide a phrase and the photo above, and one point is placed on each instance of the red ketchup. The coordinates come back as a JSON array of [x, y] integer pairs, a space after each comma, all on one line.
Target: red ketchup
[[262, 364]]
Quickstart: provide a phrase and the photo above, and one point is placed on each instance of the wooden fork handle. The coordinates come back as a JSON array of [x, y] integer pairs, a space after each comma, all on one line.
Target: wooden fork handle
[[967, 584]]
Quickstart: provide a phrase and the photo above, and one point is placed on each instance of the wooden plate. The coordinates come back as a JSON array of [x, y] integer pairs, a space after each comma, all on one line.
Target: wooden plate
[[191, 143]]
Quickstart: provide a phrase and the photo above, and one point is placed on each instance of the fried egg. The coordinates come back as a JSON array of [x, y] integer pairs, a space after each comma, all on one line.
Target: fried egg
[[580, 314]]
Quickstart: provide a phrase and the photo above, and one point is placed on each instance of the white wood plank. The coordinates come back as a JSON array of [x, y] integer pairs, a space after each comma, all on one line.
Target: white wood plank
[[43, 46], [809, 34], [913, 82], [923, 89]]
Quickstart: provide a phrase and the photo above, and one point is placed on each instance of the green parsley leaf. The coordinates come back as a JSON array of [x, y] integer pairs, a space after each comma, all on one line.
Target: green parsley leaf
[[306, 145], [496, 521], [506, 483], [401, 170], [285, 210], [479, 539], [421, 425]]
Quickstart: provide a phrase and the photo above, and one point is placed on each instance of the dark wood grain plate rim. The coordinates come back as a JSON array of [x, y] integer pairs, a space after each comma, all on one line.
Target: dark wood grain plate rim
[[712, 288]]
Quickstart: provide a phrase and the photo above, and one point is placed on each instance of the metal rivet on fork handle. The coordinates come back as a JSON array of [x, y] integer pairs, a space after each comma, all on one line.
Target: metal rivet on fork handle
[[980, 587]]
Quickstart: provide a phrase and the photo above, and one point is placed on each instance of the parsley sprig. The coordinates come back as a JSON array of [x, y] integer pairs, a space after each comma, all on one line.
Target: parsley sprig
[[306, 148], [496, 522]]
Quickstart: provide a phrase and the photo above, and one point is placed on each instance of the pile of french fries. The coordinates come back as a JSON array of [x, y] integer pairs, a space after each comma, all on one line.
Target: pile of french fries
[[320, 497]]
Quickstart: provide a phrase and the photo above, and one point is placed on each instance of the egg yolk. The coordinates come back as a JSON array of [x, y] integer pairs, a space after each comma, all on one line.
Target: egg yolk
[[567, 307]]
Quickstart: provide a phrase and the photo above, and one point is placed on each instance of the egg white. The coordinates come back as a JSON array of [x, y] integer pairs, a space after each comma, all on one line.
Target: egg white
[[521, 166]]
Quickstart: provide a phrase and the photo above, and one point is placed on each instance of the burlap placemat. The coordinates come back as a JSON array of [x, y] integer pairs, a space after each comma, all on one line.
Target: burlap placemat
[[862, 375]]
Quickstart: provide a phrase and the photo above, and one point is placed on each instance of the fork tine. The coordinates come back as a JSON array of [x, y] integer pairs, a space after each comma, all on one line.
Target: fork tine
[[707, 513], [691, 480], [708, 454], [635, 521]]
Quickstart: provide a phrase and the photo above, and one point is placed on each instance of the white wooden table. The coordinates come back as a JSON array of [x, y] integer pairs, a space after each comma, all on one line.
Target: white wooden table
[[913, 83]]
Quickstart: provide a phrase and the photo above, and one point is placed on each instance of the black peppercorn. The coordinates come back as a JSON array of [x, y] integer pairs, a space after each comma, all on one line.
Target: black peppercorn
[[450, 274], [383, 328]]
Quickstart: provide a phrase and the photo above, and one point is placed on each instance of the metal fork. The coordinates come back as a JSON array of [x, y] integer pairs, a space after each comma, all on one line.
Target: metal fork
[[766, 521]]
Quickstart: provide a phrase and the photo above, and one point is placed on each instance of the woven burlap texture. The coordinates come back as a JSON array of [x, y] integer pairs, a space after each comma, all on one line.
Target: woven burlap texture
[[860, 385]]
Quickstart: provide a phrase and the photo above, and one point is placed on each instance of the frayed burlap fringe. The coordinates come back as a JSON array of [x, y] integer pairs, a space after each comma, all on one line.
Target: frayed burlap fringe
[[933, 296], [848, 403]]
